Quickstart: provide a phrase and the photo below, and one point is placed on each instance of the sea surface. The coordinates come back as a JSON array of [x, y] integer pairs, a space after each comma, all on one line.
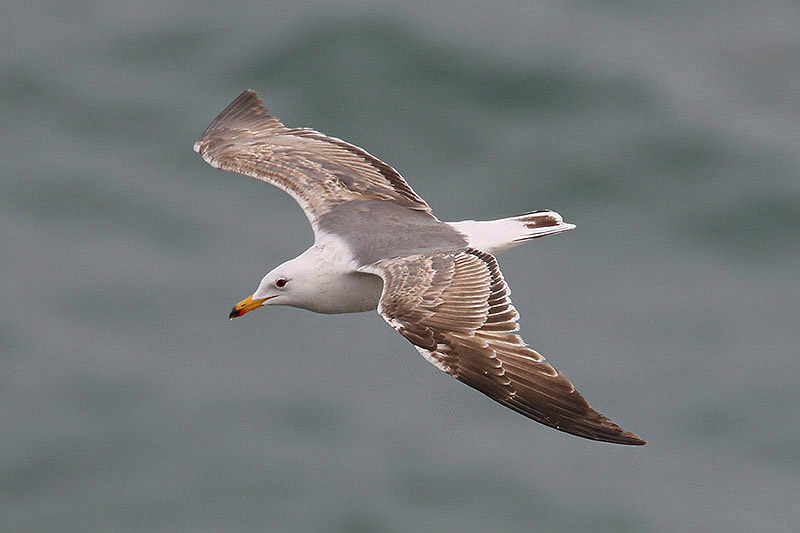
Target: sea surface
[[669, 132]]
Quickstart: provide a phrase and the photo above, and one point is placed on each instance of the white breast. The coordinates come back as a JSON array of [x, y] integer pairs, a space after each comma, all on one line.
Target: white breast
[[336, 286]]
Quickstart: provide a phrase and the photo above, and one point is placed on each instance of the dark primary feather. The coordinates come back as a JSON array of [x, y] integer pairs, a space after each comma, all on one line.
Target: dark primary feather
[[455, 307], [320, 172]]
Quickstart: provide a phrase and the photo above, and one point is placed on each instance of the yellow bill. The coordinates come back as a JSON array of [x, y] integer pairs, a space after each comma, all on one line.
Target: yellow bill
[[246, 305]]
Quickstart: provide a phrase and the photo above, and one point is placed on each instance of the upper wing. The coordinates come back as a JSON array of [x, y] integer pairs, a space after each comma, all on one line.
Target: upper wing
[[455, 308], [320, 172]]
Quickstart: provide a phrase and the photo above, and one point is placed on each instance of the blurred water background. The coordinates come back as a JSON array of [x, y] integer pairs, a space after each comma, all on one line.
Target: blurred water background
[[669, 132]]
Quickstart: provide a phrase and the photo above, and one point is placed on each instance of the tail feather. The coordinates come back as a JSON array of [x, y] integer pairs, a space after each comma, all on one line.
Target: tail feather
[[494, 236]]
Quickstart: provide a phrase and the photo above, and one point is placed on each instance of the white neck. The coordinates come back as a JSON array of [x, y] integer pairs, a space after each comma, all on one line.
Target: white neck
[[327, 280]]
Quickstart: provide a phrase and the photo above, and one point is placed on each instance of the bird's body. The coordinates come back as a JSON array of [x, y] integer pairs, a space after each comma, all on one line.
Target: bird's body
[[378, 246]]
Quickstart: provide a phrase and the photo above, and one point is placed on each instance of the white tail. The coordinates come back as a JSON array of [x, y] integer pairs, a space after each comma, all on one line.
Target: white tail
[[494, 236]]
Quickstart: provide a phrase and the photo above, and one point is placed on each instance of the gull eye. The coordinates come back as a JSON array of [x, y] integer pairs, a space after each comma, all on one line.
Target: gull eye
[[280, 282]]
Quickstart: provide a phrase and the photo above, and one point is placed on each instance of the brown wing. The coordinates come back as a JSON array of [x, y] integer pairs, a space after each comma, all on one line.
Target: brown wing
[[455, 308], [320, 172]]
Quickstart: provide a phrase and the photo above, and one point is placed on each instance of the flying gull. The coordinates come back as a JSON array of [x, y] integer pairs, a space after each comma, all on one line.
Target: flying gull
[[377, 245]]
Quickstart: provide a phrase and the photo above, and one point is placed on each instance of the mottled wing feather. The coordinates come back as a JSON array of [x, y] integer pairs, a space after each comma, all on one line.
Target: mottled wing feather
[[455, 308], [318, 171]]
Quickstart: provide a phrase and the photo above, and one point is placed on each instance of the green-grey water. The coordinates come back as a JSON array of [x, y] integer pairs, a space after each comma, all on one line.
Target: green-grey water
[[668, 132]]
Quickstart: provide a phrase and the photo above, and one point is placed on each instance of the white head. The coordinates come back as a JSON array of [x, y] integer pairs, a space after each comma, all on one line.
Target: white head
[[322, 279], [288, 284]]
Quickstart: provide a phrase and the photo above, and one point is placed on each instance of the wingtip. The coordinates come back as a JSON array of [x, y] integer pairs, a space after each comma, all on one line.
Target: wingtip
[[611, 432], [248, 99], [631, 439], [617, 435]]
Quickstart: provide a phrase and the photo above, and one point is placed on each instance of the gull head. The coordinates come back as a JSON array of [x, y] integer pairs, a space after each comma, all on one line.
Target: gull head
[[299, 282], [282, 286], [322, 279]]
